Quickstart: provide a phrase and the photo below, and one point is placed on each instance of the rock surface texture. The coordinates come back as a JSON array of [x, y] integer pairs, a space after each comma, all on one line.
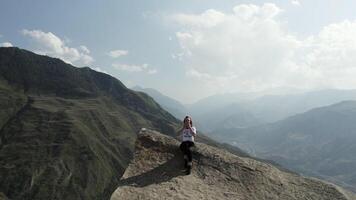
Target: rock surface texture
[[157, 172]]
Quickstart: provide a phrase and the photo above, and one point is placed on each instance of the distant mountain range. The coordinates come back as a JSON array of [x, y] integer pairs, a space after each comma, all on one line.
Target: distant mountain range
[[242, 110], [320, 142], [171, 105]]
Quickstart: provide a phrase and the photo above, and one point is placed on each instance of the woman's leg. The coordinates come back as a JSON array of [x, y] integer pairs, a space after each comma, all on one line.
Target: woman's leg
[[189, 154], [183, 148], [189, 151]]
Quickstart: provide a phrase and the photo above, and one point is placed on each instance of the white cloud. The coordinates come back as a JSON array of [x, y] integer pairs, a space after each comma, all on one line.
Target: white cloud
[[251, 49], [248, 11], [152, 71], [194, 73], [130, 68], [118, 53], [51, 45], [207, 19], [6, 44], [135, 68], [84, 49], [332, 53], [295, 2]]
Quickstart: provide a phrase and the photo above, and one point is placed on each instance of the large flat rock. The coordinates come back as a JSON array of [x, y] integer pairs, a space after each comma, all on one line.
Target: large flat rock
[[156, 172]]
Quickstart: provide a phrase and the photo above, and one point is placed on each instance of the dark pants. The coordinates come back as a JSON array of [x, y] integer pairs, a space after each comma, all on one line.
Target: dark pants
[[185, 148]]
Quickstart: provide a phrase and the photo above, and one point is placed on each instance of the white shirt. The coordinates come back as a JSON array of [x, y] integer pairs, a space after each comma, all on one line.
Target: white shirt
[[187, 134]]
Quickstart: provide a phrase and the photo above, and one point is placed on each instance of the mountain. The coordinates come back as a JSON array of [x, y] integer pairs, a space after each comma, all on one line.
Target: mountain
[[156, 173], [320, 142], [67, 132], [239, 110], [242, 110], [218, 101], [272, 108], [234, 115], [171, 105]]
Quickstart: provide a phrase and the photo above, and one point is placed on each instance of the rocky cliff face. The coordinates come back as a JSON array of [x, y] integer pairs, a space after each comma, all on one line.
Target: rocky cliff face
[[156, 172]]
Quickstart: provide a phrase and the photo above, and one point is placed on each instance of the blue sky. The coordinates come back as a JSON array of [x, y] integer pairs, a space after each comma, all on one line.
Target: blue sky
[[193, 49]]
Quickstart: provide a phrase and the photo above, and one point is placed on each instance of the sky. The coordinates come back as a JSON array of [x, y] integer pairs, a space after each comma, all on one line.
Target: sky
[[191, 49]]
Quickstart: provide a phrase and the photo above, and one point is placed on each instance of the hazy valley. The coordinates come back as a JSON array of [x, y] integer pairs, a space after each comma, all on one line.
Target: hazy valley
[[312, 133]]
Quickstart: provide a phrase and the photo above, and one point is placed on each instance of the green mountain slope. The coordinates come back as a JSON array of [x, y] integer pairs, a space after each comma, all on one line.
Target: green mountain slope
[[67, 132]]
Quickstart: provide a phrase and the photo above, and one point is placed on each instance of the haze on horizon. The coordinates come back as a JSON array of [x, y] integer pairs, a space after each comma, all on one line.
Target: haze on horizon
[[192, 49]]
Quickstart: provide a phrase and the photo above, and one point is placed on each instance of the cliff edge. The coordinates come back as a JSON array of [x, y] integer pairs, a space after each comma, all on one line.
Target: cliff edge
[[156, 172]]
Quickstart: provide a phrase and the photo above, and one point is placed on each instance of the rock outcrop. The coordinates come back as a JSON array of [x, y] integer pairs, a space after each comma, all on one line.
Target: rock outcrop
[[156, 172]]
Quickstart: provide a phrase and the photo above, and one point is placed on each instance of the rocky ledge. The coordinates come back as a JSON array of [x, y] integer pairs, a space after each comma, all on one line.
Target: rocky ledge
[[156, 172]]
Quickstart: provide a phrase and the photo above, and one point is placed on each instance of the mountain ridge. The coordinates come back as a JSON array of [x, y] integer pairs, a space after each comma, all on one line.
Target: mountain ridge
[[171, 105], [319, 142], [60, 125]]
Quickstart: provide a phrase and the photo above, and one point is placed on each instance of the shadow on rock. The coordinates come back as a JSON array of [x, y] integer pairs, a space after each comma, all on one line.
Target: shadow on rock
[[164, 172]]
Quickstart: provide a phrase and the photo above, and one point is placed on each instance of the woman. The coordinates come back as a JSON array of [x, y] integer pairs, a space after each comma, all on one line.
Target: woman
[[188, 133]]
